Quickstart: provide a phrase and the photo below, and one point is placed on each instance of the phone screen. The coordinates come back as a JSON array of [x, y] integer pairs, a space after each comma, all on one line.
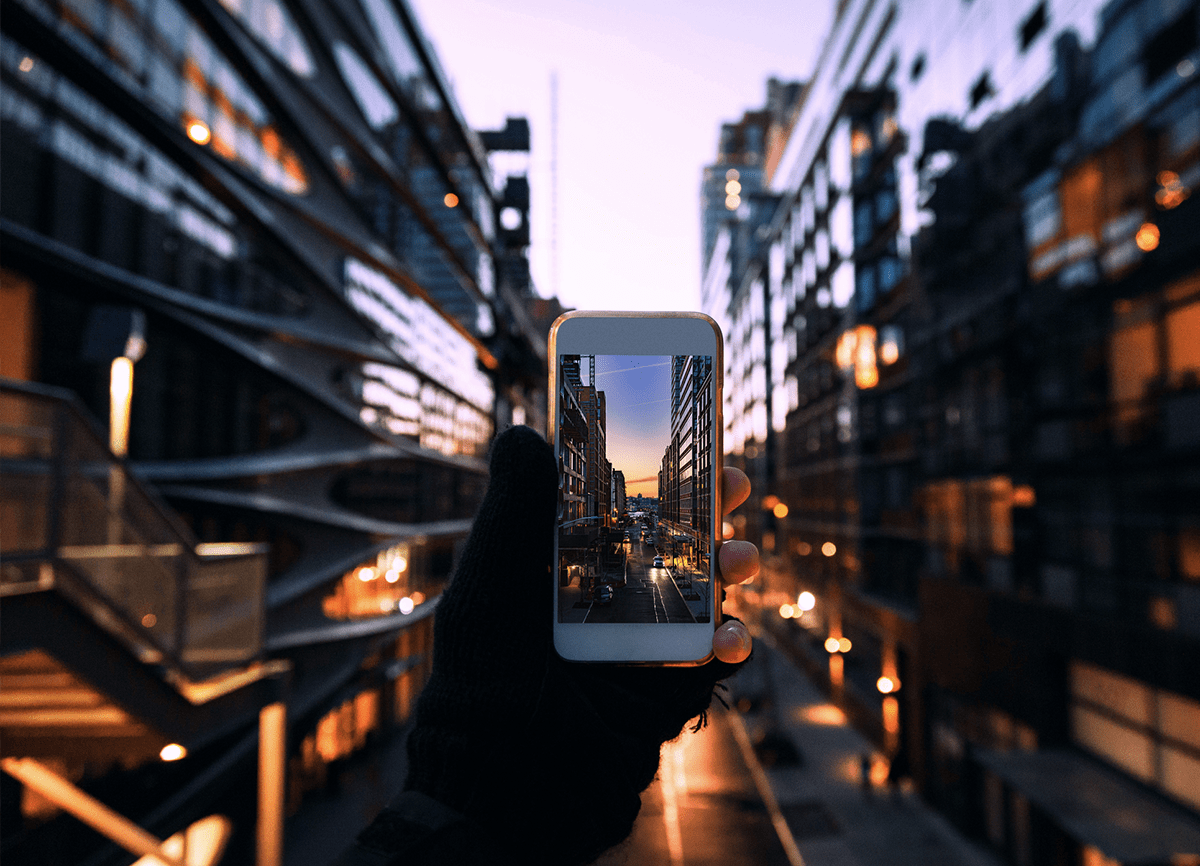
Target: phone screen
[[636, 445]]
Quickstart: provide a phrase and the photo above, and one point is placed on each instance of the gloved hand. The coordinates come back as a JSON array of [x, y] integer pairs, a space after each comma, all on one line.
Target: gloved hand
[[545, 758]]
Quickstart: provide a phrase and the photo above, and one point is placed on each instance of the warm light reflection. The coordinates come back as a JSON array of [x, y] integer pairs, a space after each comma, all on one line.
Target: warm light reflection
[[891, 715], [450, 200], [365, 574], [844, 645], [172, 752], [199, 132], [886, 685], [806, 601], [803, 548], [406, 605], [837, 671], [732, 202], [26, 64], [832, 644], [889, 353], [787, 611], [733, 188], [829, 548], [149, 621], [820, 714], [360, 593], [780, 510], [1147, 237], [727, 530]]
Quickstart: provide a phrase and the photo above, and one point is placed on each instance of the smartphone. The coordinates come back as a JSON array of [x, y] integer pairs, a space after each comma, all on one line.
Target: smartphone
[[635, 404]]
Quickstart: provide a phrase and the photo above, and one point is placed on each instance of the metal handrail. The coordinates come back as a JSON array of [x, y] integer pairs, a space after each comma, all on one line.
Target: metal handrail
[[75, 518]]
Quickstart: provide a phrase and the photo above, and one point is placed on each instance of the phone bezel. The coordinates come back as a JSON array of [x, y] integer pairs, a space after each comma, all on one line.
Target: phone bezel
[[639, 333]]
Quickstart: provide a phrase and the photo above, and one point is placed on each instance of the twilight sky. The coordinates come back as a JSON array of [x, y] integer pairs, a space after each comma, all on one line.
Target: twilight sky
[[643, 87], [637, 401]]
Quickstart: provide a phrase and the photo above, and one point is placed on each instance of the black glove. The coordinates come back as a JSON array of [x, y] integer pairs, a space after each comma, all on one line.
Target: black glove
[[545, 758]]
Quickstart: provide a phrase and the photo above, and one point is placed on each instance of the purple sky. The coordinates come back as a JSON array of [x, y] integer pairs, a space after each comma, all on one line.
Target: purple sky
[[643, 88], [637, 395]]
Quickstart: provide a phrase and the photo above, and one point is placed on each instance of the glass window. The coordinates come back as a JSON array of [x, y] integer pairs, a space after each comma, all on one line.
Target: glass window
[[377, 107], [865, 287], [864, 225], [890, 271], [273, 26]]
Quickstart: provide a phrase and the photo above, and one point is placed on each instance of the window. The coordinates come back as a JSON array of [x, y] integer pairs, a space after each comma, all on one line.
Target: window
[[1033, 25], [918, 67], [981, 90], [1172, 44]]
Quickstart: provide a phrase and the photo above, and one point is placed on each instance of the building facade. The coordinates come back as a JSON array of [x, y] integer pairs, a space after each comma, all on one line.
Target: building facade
[[260, 240], [962, 349]]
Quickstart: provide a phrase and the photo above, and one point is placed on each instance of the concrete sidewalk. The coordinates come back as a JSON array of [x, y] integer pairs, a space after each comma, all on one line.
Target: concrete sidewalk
[[834, 821]]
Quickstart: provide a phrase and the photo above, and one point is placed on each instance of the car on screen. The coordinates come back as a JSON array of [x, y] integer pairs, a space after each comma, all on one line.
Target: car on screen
[[658, 562]]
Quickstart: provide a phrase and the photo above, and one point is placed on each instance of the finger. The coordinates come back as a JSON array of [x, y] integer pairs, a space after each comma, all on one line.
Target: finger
[[735, 488], [738, 561], [732, 642]]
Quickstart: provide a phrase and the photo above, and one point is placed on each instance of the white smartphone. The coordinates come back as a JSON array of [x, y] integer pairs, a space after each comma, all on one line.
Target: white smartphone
[[635, 405]]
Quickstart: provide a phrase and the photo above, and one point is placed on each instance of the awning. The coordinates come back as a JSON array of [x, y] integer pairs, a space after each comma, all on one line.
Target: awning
[[1097, 806]]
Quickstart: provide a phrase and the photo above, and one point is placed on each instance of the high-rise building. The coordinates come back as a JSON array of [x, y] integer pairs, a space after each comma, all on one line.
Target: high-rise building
[[258, 243], [966, 353]]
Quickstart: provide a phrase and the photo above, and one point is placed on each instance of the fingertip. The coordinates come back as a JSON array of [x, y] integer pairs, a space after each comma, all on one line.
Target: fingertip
[[732, 642], [739, 561]]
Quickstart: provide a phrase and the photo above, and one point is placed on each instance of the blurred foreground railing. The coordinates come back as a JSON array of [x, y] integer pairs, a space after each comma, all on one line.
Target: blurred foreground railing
[[73, 519]]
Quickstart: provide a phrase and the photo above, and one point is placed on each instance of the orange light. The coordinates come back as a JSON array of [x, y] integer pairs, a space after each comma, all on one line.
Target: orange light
[[733, 188], [891, 715], [806, 601], [770, 501], [803, 548], [149, 621], [832, 644], [829, 548], [844, 353], [172, 752], [365, 574], [727, 530], [1147, 237], [418, 597], [889, 353], [780, 510], [844, 645], [786, 611], [1023, 496], [26, 64], [199, 132], [732, 202], [820, 714], [450, 199], [886, 685]]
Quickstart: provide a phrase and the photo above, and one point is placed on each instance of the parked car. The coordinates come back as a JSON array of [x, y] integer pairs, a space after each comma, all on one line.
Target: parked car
[[658, 562]]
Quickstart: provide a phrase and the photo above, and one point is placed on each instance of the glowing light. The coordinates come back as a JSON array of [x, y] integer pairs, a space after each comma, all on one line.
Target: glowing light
[[1147, 237], [727, 530], [26, 64], [806, 601], [829, 548], [844, 645], [149, 621], [860, 143], [1184, 68], [732, 202], [450, 199], [821, 714], [418, 598], [385, 604], [780, 510], [891, 715], [1173, 192], [120, 393], [832, 644], [733, 188], [406, 605], [199, 132], [365, 574], [803, 548], [770, 501], [866, 375], [889, 353], [787, 611], [1023, 496], [172, 752], [844, 353], [732, 174], [400, 563], [886, 685], [391, 575]]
